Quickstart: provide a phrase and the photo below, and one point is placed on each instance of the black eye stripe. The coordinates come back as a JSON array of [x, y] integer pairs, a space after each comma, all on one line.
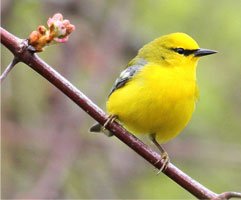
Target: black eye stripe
[[179, 50], [185, 52]]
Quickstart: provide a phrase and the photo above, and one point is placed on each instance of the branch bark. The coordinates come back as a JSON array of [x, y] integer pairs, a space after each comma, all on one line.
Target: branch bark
[[19, 49]]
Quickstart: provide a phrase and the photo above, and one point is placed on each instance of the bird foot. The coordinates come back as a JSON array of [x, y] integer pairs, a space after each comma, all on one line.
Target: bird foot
[[110, 119], [165, 159]]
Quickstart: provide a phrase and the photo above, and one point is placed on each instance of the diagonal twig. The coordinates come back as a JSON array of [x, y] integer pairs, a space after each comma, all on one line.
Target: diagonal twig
[[8, 69], [228, 195]]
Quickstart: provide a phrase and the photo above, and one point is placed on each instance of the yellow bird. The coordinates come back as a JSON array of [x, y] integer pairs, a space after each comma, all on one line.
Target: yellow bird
[[157, 92]]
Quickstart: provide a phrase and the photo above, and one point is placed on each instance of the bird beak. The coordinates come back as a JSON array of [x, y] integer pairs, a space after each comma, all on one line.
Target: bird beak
[[203, 52]]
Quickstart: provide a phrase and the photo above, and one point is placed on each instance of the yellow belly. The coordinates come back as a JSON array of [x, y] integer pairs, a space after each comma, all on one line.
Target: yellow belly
[[157, 101]]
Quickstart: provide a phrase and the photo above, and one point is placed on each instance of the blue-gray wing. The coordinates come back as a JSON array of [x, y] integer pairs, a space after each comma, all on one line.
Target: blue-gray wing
[[126, 76]]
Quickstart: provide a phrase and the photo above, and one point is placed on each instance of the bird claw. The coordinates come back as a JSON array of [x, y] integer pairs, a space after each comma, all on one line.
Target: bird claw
[[110, 119], [166, 160]]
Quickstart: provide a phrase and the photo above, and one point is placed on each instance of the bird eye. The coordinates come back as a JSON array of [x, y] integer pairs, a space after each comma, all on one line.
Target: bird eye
[[180, 50]]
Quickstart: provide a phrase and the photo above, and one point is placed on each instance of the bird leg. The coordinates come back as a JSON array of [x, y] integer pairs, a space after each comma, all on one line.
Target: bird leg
[[164, 155]]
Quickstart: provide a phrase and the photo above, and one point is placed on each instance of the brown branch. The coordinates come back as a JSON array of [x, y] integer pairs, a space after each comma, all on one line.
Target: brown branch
[[32, 60]]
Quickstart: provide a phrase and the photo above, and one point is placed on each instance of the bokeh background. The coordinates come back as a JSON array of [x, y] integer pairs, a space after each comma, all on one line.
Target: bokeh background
[[47, 151]]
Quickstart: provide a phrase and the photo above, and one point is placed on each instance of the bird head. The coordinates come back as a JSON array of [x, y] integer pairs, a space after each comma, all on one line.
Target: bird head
[[176, 49]]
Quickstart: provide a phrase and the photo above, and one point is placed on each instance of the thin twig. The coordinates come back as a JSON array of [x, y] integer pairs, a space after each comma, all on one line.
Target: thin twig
[[228, 195], [9, 68], [95, 112]]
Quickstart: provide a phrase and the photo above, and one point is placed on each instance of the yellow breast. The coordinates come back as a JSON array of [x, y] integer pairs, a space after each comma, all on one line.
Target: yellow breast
[[157, 100]]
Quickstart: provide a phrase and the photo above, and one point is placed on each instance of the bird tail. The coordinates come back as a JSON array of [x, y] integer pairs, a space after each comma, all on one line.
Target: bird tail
[[97, 128]]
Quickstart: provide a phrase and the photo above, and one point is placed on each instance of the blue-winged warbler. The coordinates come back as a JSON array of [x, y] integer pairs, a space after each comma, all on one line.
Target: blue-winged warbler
[[157, 92]]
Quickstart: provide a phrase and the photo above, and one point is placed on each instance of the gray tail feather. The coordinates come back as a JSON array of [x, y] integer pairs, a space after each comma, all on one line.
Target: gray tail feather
[[96, 128]]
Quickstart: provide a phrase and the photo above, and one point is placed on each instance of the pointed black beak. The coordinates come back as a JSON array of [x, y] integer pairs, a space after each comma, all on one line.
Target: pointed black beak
[[203, 52]]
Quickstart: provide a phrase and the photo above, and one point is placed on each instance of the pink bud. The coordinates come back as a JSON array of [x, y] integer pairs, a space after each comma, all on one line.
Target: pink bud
[[58, 30]]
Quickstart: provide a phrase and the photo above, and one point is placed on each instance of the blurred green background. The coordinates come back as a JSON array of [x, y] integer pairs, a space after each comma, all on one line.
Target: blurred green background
[[47, 151]]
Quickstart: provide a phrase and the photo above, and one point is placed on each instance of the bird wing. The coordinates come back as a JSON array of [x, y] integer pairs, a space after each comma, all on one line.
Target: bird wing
[[127, 74]]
